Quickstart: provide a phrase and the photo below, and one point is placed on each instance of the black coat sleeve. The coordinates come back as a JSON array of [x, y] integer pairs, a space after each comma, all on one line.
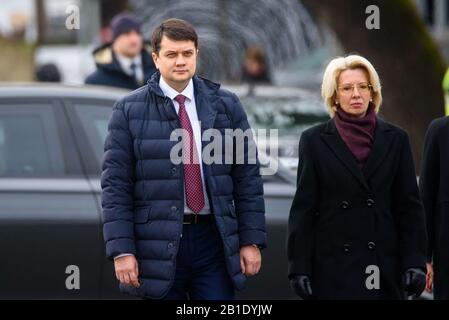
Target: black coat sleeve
[[429, 182], [408, 211], [300, 234]]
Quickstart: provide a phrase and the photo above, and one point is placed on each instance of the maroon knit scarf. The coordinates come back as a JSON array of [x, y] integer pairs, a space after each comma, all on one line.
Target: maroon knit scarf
[[357, 133]]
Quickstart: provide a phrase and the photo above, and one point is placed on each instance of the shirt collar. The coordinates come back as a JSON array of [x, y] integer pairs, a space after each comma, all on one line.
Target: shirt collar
[[125, 62], [172, 93]]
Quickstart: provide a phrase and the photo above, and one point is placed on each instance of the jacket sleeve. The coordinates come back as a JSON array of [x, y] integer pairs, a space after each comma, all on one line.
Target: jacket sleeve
[[117, 183], [408, 211], [247, 184], [99, 78], [92, 78], [429, 182], [301, 222]]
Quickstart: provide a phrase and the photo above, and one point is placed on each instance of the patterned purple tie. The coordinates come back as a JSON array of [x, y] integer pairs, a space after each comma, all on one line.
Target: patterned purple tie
[[192, 171]]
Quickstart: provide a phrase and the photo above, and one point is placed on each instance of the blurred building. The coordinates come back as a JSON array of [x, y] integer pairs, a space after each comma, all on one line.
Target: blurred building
[[17, 20], [63, 44], [435, 14]]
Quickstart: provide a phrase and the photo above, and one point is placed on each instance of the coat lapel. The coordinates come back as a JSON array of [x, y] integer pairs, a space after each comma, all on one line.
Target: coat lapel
[[339, 148], [381, 147]]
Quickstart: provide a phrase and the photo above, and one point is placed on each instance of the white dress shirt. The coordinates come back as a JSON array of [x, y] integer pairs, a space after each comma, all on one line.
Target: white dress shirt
[[196, 127]]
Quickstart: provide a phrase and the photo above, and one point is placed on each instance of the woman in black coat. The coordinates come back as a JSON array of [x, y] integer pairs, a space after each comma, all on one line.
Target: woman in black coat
[[434, 184], [356, 228]]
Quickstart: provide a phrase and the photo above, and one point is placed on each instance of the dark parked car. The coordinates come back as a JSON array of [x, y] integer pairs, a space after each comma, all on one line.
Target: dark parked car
[[51, 147]]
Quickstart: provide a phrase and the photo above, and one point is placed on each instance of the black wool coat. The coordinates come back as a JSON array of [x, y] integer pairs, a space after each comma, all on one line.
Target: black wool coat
[[434, 185], [345, 221]]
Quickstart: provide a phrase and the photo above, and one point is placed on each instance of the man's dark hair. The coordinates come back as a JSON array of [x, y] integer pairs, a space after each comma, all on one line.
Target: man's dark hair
[[174, 29]]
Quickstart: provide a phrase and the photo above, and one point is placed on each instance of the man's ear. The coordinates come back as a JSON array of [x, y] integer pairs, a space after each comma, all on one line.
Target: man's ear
[[155, 58]]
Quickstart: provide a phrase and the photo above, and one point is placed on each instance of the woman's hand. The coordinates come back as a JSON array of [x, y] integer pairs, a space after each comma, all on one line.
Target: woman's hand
[[429, 278]]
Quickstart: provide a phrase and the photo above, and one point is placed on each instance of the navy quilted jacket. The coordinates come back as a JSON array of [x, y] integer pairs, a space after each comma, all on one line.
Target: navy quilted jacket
[[143, 195]]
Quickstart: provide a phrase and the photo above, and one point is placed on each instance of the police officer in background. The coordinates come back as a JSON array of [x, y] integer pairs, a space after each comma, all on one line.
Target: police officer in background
[[126, 62]]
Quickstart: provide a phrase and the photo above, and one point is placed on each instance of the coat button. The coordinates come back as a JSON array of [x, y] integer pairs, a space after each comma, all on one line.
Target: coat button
[[370, 202], [344, 205], [174, 209], [371, 245], [170, 245], [173, 170], [346, 247]]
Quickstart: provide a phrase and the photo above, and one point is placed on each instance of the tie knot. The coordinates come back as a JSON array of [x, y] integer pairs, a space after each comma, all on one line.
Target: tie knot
[[180, 99]]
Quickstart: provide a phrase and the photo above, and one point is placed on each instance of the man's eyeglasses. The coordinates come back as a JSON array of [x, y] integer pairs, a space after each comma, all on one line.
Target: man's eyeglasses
[[362, 88]]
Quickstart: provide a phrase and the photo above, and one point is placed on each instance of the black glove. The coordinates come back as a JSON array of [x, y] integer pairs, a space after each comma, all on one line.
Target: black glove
[[302, 286], [414, 281]]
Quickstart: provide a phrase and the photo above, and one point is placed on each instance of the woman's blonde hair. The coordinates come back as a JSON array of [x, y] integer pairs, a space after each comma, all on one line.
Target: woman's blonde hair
[[333, 71]]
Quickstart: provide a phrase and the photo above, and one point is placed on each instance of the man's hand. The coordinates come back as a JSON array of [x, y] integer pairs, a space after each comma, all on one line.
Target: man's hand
[[126, 270], [250, 260], [429, 278]]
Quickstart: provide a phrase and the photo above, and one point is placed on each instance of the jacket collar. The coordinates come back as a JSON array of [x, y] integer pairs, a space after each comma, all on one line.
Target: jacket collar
[[105, 58], [201, 85], [206, 97], [381, 146], [172, 93]]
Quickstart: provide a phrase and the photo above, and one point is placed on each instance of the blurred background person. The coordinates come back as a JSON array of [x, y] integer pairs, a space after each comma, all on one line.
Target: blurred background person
[[357, 202], [255, 67], [125, 62], [48, 72], [434, 185]]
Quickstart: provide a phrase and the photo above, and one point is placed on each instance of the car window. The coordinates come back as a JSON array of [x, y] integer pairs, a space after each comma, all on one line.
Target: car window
[[290, 116], [29, 141], [94, 120]]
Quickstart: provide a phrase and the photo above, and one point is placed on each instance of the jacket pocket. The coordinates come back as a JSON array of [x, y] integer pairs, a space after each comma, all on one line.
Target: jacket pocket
[[142, 215]]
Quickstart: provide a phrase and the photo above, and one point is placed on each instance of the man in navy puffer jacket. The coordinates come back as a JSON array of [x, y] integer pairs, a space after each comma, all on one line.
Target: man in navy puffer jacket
[[190, 229]]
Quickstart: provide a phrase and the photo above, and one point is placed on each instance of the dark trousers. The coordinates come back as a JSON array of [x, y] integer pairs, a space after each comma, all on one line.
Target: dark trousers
[[200, 266]]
